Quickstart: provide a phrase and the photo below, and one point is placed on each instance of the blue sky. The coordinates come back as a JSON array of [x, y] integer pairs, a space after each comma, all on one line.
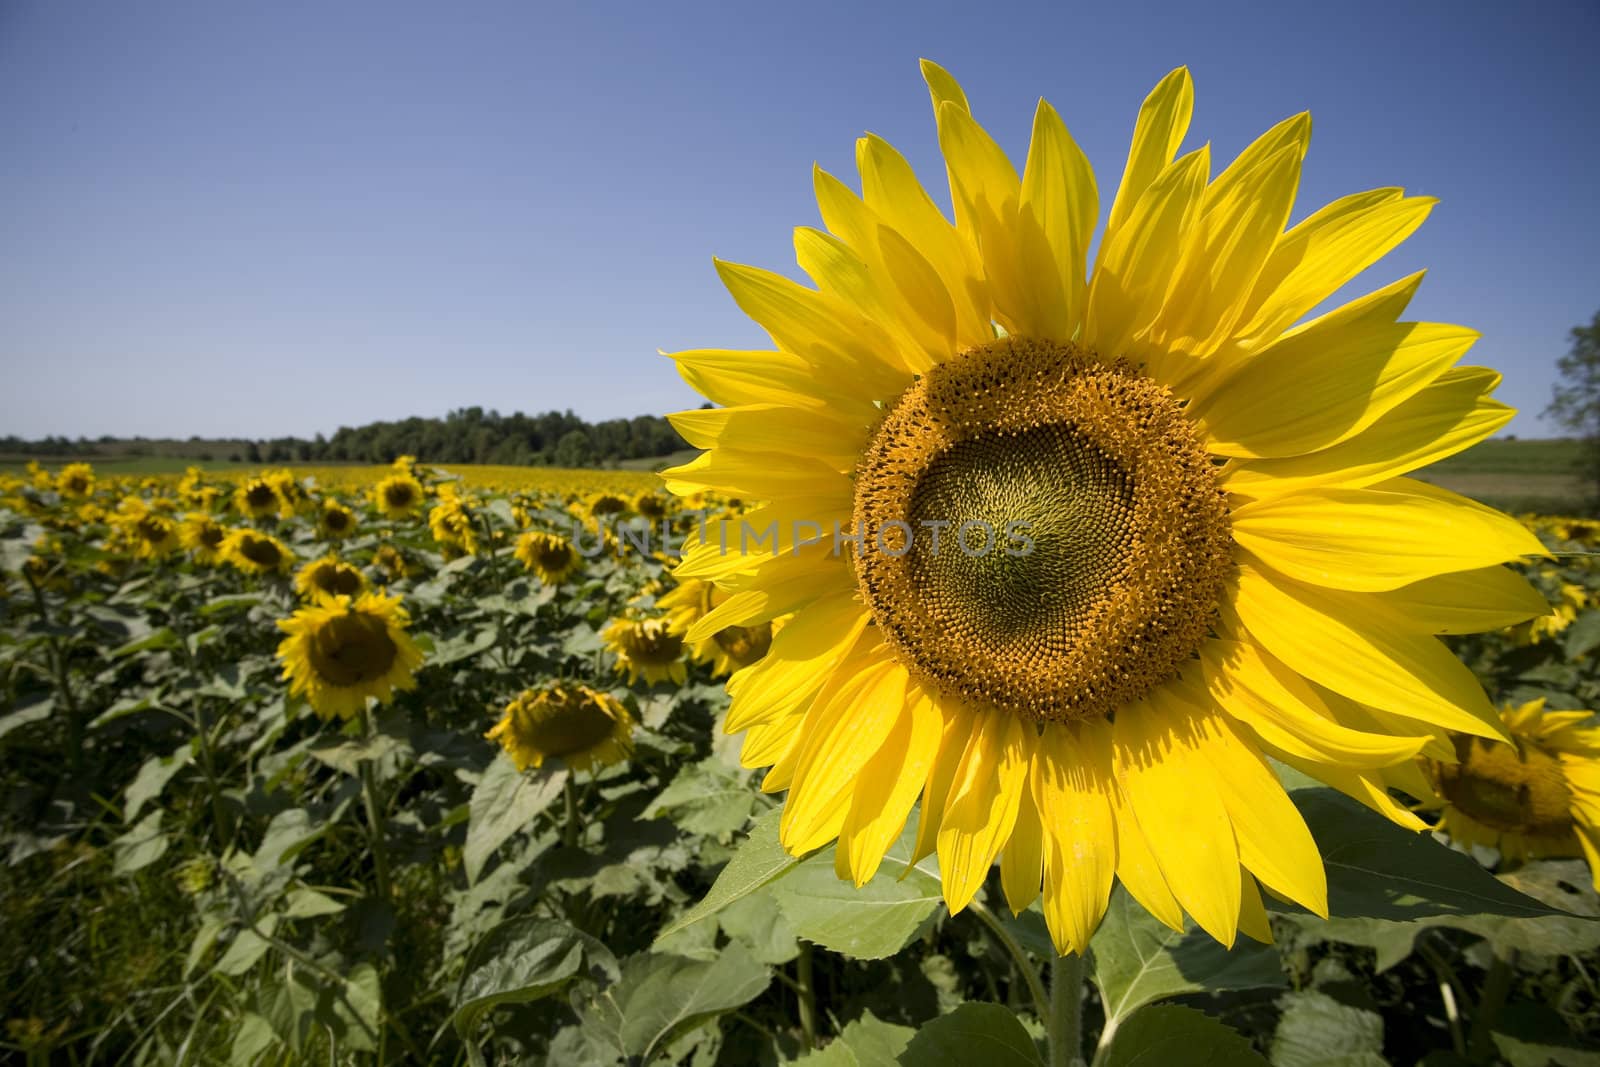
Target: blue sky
[[279, 218]]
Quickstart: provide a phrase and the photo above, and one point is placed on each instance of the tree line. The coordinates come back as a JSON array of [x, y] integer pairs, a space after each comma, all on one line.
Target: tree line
[[468, 435]]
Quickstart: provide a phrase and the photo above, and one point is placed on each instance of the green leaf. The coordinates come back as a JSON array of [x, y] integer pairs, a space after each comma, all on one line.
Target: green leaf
[[246, 948], [1168, 1035], [505, 801], [158, 639], [872, 922], [706, 798], [523, 960], [1379, 870], [866, 1042], [1583, 635], [1391, 941], [972, 1034], [255, 1037], [1137, 959], [1561, 884], [757, 921], [1318, 1031], [1535, 1035], [153, 778], [660, 997], [35, 712], [759, 861], [347, 756], [308, 904], [230, 603], [140, 846]]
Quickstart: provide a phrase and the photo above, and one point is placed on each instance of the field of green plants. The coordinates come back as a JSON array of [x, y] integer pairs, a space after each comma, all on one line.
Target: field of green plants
[[201, 866]]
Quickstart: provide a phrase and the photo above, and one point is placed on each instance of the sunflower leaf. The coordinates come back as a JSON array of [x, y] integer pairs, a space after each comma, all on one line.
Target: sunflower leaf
[[869, 923], [1136, 959], [1168, 1035], [760, 860], [523, 960], [866, 1042], [505, 801], [973, 1033]]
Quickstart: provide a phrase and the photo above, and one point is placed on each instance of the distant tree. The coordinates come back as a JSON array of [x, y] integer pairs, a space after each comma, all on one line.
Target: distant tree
[[573, 450], [1575, 403]]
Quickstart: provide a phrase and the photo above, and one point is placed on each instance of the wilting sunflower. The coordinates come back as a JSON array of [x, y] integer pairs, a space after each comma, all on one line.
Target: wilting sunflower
[[548, 555], [342, 650], [648, 649], [583, 728], [1173, 532], [727, 648], [258, 498], [397, 496], [1537, 796], [336, 521], [257, 553], [328, 576], [203, 536], [75, 480]]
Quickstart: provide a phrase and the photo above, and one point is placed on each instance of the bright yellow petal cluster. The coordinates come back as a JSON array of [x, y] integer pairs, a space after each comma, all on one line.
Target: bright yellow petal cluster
[[583, 728], [343, 650]]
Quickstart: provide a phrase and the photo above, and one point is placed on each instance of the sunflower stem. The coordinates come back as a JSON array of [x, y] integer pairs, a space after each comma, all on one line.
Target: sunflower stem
[[808, 996], [1496, 984], [1030, 973], [369, 799], [569, 828], [1066, 1011]]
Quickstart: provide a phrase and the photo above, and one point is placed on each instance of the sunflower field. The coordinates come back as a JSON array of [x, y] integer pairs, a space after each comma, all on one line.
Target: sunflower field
[[378, 766]]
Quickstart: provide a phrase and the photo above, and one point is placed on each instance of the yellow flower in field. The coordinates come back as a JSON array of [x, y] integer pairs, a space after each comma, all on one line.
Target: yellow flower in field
[[336, 521], [451, 522], [391, 561], [1571, 600], [651, 505], [328, 576], [343, 650], [603, 504], [647, 649], [550, 556], [397, 496], [258, 498], [1538, 796], [726, 648], [203, 536], [1583, 531], [146, 534], [289, 489], [257, 553], [39, 476], [583, 728], [90, 513], [75, 480], [1095, 539]]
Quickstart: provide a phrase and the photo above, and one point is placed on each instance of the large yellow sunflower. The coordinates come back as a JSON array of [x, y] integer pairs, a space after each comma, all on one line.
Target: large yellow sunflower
[[1537, 796], [584, 728], [1071, 550], [258, 498], [397, 496], [76, 480], [203, 536], [342, 650]]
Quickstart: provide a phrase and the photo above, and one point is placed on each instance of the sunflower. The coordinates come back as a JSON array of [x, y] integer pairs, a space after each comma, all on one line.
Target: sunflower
[[203, 537], [650, 505], [1569, 600], [397, 495], [585, 729], [146, 533], [257, 553], [328, 576], [75, 480], [392, 562], [258, 498], [548, 555], [289, 489], [648, 649], [336, 521], [1537, 796], [603, 504], [727, 648], [451, 522], [342, 650], [1071, 551]]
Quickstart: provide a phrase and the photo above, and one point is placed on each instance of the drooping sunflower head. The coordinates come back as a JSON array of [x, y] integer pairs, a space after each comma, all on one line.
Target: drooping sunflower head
[[397, 496], [203, 536], [1537, 796], [258, 498], [328, 576], [76, 480], [583, 728], [336, 521], [602, 505], [648, 649], [452, 525], [342, 650], [1068, 545], [255, 552], [726, 648], [650, 505], [552, 557], [148, 534]]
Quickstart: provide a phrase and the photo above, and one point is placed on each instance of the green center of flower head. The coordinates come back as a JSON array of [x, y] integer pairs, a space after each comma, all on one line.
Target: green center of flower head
[[1042, 531], [351, 649], [1510, 788]]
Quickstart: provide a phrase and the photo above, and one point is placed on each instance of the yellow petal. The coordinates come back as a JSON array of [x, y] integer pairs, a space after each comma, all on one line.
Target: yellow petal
[[888, 786], [1353, 645], [1072, 785], [1059, 205], [786, 585], [987, 192], [1022, 859], [982, 807], [768, 743], [1452, 414], [959, 725], [1161, 763], [1366, 788], [1272, 838], [733, 377], [1257, 690], [1377, 538], [1324, 252], [775, 428], [759, 475], [1137, 867], [1253, 920], [1467, 602], [845, 727], [1163, 121], [802, 656]]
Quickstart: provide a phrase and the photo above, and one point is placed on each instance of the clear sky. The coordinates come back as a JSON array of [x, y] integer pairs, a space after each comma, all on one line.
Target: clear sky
[[281, 217]]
